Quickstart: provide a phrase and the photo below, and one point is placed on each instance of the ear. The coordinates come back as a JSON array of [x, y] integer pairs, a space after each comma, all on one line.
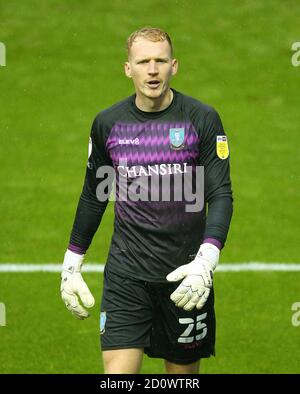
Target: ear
[[127, 69], [174, 66]]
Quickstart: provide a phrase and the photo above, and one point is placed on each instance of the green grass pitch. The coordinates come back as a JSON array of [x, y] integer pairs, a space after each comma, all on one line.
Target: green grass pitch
[[254, 330], [63, 65]]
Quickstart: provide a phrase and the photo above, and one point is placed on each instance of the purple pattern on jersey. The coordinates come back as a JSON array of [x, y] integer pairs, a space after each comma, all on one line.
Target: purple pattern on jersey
[[149, 143]]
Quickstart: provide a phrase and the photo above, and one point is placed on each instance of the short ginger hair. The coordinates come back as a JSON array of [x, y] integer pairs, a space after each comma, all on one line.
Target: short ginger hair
[[150, 33]]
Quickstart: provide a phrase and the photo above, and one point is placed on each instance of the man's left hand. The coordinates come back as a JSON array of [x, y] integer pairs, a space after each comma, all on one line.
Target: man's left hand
[[195, 288]]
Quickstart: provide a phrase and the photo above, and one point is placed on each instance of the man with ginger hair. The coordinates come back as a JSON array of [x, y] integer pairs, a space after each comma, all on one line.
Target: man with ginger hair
[[158, 296]]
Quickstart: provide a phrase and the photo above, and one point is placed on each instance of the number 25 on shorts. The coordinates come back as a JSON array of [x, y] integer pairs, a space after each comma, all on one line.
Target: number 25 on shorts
[[201, 329]]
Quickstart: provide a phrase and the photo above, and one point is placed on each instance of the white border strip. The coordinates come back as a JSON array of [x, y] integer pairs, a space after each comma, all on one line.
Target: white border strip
[[95, 267]]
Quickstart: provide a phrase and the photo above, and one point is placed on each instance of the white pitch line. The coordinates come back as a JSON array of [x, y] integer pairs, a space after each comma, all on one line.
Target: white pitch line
[[238, 267], [95, 267], [49, 267]]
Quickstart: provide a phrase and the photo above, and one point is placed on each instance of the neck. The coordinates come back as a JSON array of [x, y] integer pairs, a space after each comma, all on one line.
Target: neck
[[148, 104]]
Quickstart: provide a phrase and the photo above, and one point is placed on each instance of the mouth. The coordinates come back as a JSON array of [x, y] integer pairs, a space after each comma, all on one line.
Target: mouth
[[153, 83]]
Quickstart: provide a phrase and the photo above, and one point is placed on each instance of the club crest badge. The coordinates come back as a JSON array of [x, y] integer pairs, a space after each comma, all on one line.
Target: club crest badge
[[222, 147], [102, 322], [177, 138]]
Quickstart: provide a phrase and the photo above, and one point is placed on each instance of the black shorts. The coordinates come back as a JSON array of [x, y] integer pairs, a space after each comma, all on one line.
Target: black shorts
[[138, 314]]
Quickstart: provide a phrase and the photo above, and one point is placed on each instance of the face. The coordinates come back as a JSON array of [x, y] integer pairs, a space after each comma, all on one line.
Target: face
[[150, 65]]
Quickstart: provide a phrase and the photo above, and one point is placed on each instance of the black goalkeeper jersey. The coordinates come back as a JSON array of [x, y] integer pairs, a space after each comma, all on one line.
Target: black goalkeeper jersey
[[155, 155]]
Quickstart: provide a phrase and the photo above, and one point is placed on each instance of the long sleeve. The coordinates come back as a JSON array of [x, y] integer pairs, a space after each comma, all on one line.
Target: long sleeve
[[217, 183], [90, 209]]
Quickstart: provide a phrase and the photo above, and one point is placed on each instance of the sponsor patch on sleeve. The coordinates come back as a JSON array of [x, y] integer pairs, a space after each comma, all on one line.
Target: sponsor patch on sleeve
[[90, 147], [222, 147]]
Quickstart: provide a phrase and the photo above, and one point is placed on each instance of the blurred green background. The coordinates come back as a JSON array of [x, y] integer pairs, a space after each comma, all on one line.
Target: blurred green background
[[64, 64]]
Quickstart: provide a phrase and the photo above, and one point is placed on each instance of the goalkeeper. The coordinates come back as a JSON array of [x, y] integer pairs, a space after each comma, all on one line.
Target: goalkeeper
[[158, 296]]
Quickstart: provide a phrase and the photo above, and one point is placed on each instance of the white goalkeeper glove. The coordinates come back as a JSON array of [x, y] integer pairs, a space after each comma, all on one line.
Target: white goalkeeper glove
[[73, 285], [195, 288]]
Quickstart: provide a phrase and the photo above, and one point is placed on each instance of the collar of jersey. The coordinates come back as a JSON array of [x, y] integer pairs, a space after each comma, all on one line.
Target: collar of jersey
[[153, 115]]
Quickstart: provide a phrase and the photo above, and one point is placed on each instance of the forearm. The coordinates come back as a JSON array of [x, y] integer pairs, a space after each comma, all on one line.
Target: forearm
[[88, 217], [218, 220]]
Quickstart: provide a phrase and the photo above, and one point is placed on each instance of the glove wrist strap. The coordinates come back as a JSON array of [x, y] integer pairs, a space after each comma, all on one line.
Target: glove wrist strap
[[72, 262], [210, 253]]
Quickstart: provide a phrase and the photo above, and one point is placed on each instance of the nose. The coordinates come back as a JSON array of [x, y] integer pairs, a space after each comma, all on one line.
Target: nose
[[152, 68]]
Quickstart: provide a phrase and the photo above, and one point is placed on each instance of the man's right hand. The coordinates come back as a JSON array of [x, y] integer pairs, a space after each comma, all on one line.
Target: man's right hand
[[73, 285]]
